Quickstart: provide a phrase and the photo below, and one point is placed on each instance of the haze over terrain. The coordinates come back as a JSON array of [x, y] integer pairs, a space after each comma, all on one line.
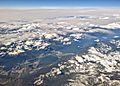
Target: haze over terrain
[[59, 43]]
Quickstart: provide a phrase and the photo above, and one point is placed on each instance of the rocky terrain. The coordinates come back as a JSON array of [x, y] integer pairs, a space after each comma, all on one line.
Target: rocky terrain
[[81, 49]]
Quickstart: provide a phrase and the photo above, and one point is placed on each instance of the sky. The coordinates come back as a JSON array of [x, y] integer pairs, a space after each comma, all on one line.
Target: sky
[[58, 3]]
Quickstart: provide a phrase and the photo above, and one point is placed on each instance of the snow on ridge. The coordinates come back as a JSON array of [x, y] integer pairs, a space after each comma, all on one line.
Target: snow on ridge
[[51, 35], [112, 25]]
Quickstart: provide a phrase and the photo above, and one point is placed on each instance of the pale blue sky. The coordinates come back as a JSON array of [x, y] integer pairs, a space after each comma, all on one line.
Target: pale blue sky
[[59, 3]]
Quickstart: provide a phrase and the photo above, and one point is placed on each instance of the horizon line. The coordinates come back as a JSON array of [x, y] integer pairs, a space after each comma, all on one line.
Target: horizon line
[[60, 7]]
